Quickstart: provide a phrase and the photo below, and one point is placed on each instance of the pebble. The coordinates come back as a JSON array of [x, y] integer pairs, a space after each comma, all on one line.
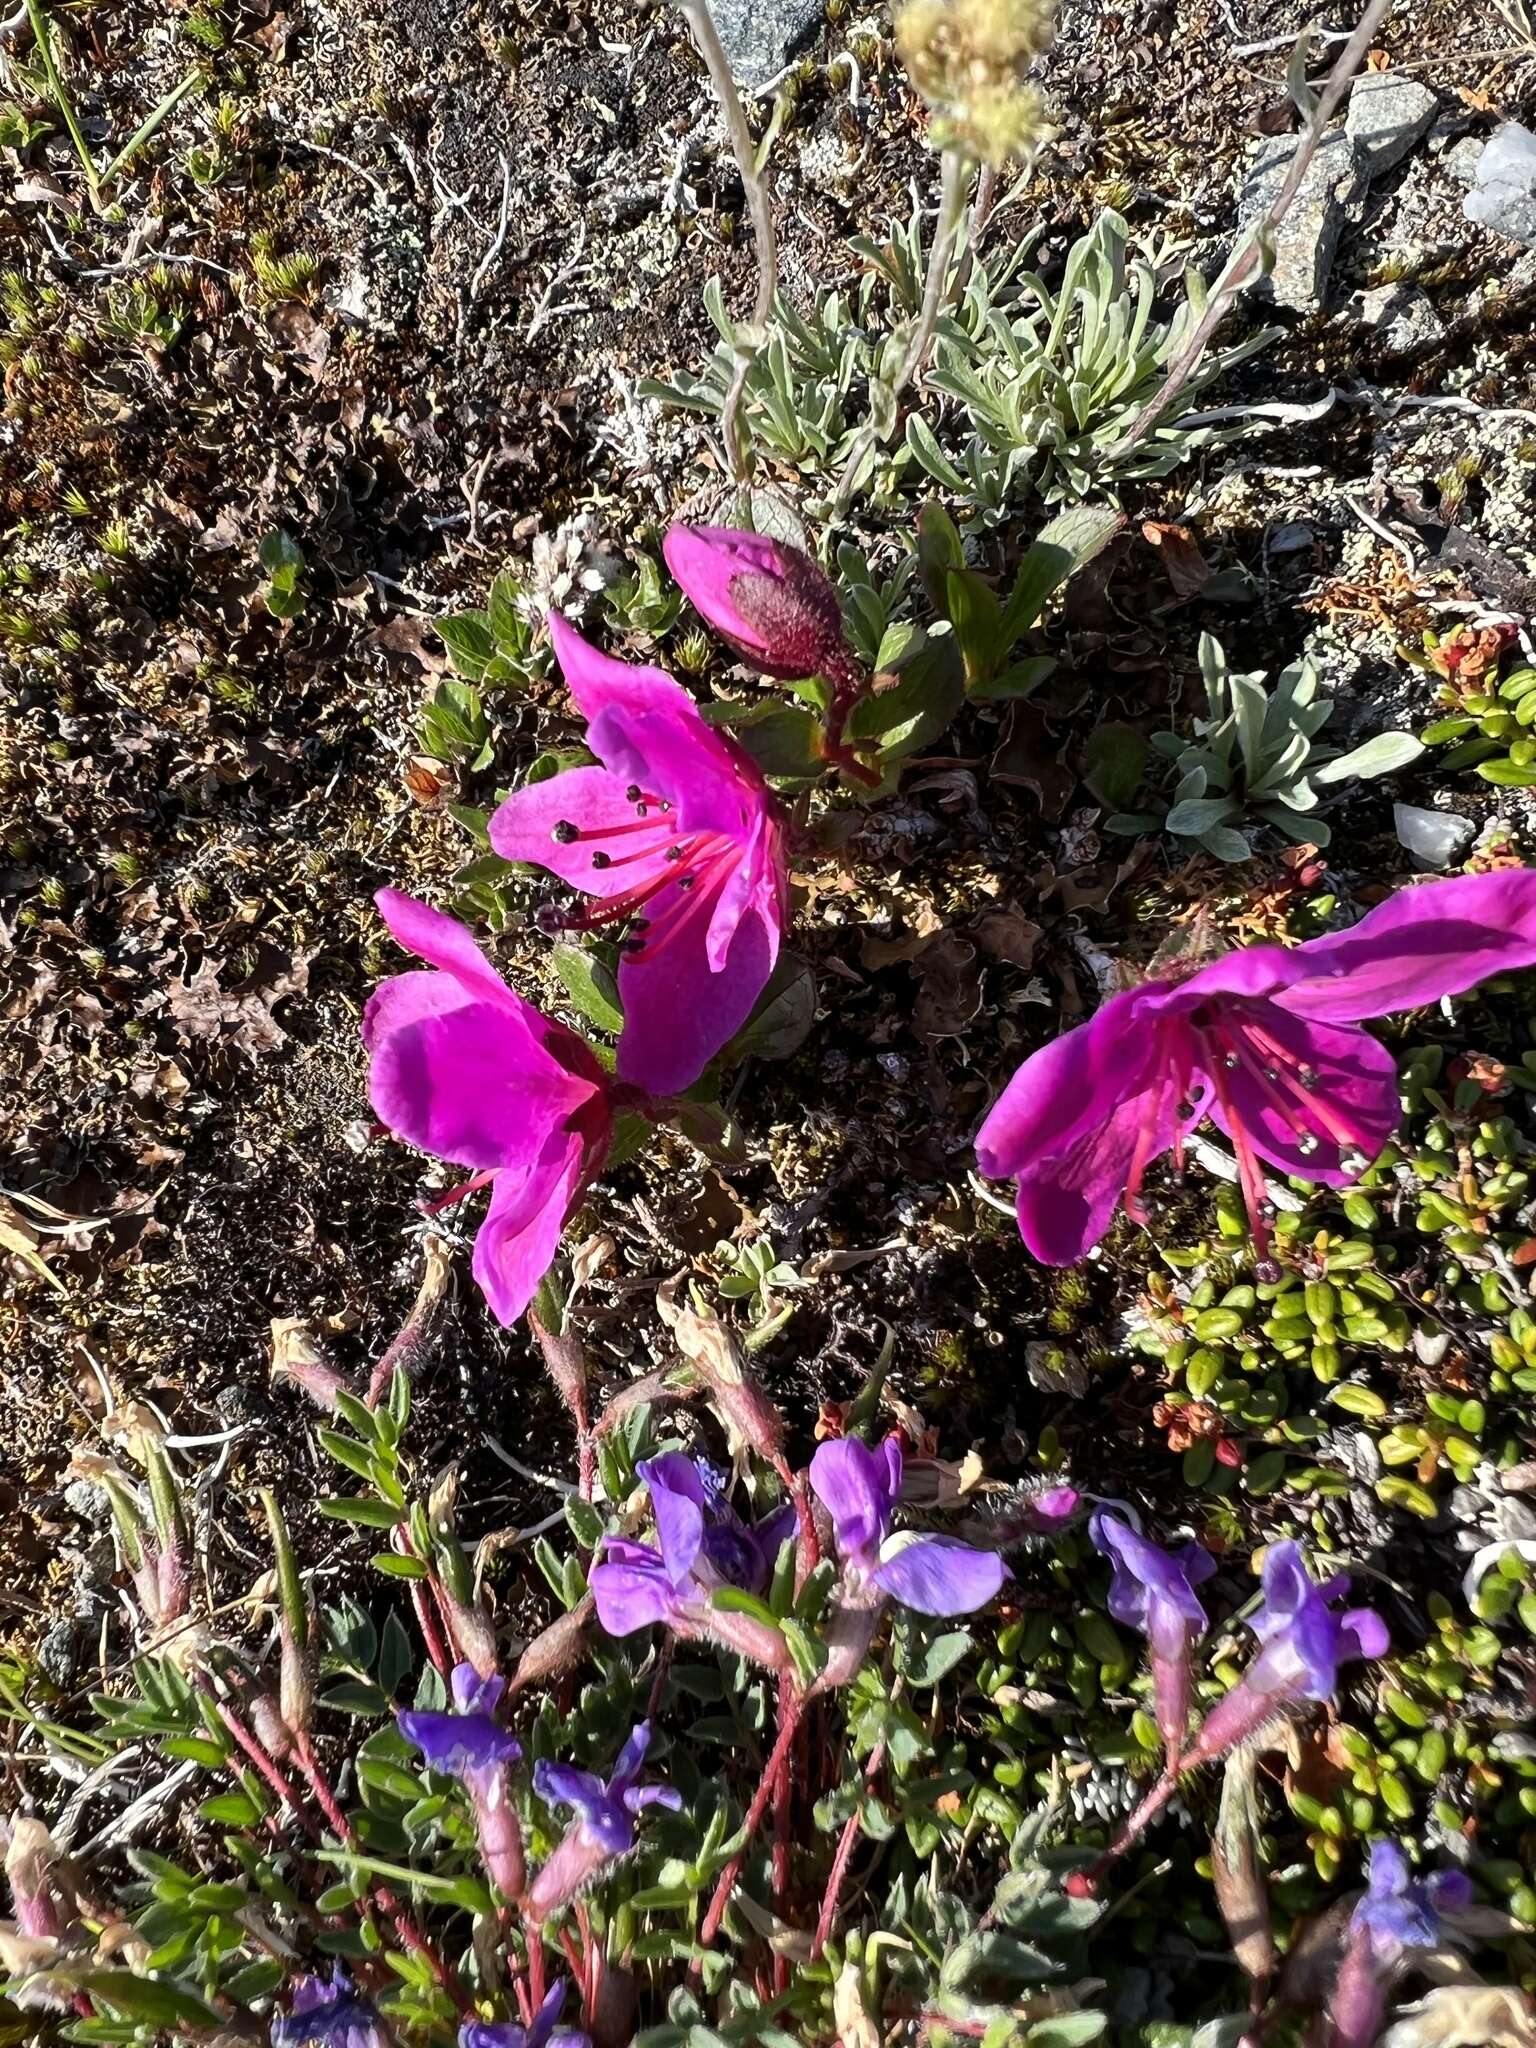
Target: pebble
[[1387, 115], [1434, 837], [1307, 240], [1402, 313], [1503, 196], [759, 35]]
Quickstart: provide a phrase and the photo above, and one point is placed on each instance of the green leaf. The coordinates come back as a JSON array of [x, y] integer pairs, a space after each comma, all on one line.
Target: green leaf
[[1067, 2030], [1021, 680], [780, 1024], [1062, 547], [231, 1810], [1505, 775], [590, 985], [394, 1566], [147, 1998], [1199, 814], [281, 557], [939, 550], [508, 626], [912, 714], [1384, 755], [938, 1658], [784, 741], [373, 1514], [1226, 844], [585, 1521], [1114, 764], [737, 1600], [470, 643], [972, 609], [354, 1696]]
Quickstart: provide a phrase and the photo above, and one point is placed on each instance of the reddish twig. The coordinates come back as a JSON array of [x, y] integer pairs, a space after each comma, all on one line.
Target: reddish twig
[[420, 1329], [843, 1857], [792, 1706]]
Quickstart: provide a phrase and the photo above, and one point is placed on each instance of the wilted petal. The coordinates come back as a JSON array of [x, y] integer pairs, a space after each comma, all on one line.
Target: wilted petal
[[1423, 943], [938, 1574]]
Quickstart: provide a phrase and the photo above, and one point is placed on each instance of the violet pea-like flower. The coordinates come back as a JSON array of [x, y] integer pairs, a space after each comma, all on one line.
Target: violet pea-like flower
[[859, 1489], [543, 2031], [701, 1544], [1398, 1914], [1266, 1041], [471, 1745], [769, 600], [1303, 1641], [464, 1068], [676, 837], [604, 1829], [332, 2014], [1154, 1590]]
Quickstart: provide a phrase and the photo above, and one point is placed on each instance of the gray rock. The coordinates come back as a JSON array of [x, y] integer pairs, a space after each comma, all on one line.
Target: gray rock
[[1308, 238], [1387, 115], [58, 1654], [1504, 195], [1461, 159], [759, 35], [1401, 313], [1433, 837]]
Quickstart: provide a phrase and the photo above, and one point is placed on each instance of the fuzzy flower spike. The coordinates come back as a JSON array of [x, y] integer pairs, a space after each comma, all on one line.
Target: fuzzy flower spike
[[465, 1069], [1265, 1041], [678, 841]]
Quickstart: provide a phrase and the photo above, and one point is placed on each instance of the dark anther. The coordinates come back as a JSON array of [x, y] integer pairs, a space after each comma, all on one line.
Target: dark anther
[[564, 833], [631, 945], [1230, 1060], [674, 853], [686, 881], [602, 860], [633, 793]]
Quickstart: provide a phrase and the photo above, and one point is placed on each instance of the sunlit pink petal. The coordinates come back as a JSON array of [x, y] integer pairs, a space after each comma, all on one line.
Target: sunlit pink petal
[[521, 1231], [472, 1085]]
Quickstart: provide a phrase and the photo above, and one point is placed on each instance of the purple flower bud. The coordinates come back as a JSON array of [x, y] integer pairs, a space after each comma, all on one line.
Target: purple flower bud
[[604, 1829], [769, 600], [1303, 1642], [1153, 1590], [328, 2015], [31, 1857], [542, 2032]]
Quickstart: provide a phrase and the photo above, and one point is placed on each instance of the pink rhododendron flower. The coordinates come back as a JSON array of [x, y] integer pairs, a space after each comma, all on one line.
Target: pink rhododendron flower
[[678, 839], [1265, 1041], [464, 1068], [770, 601]]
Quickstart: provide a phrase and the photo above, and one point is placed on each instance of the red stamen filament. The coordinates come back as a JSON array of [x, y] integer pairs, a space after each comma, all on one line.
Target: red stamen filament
[[1249, 1172], [458, 1194], [1146, 1137]]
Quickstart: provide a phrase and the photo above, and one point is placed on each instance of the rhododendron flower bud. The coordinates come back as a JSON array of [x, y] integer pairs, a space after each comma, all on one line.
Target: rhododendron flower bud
[[769, 600]]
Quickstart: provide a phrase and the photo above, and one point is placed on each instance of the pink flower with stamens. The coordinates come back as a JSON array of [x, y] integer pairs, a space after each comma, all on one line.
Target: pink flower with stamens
[[464, 1068], [680, 844], [1264, 1041]]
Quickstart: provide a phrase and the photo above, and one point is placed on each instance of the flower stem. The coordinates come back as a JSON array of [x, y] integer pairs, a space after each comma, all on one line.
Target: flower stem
[[791, 1707], [1083, 1884], [954, 173], [844, 1856], [706, 38]]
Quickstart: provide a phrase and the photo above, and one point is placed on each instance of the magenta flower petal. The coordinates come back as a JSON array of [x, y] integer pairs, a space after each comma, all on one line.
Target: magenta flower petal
[[467, 1085], [605, 857], [407, 999], [938, 1574], [1438, 939], [444, 943], [1066, 1202], [665, 1046], [1349, 1112], [1067, 1089], [521, 1232], [598, 682]]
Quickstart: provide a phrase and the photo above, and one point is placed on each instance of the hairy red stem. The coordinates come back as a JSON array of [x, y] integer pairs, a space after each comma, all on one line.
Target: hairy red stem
[[844, 1856], [792, 1706]]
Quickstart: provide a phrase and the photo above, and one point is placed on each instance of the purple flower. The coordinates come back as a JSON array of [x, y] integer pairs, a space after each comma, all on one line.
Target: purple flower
[[677, 838], [604, 1829], [703, 1544], [1154, 1590], [1398, 1914], [333, 2015], [1265, 1041], [542, 2033], [465, 1069], [1303, 1642], [770, 601], [468, 1743], [859, 1489], [471, 1745]]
